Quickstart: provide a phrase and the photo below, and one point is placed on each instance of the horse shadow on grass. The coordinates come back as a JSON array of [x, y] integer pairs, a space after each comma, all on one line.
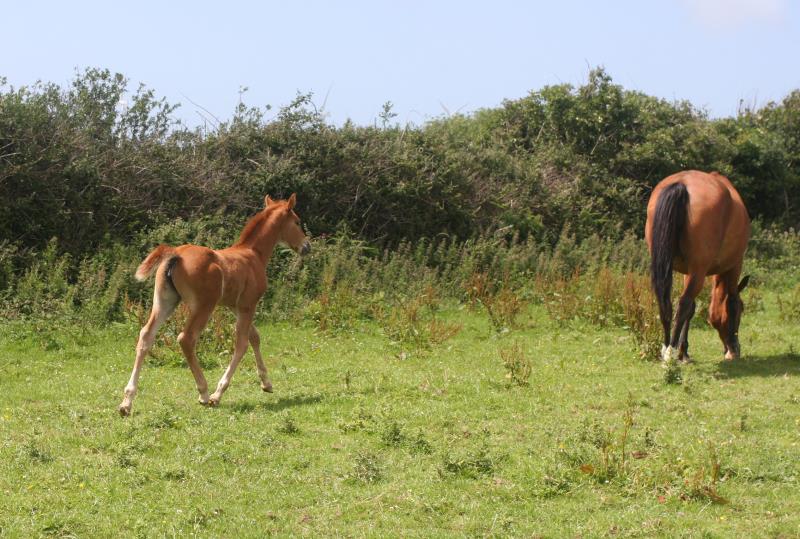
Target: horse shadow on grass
[[276, 405], [765, 366]]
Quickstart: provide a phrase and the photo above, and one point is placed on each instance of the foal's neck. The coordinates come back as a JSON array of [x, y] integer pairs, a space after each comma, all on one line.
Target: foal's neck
[[260, 235]]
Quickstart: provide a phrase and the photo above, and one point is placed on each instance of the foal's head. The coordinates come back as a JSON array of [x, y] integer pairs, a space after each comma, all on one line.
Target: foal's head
[[289, 230], [725, 314]]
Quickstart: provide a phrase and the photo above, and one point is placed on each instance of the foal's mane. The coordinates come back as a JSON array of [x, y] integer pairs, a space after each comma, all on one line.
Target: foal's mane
[[253, 225]]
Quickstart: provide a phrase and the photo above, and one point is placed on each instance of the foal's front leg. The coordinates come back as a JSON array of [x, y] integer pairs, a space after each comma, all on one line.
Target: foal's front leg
[[243, 323], [255, 342]]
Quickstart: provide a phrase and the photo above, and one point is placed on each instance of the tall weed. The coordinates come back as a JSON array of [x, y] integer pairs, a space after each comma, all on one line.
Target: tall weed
[[503, 304], [640, 315]]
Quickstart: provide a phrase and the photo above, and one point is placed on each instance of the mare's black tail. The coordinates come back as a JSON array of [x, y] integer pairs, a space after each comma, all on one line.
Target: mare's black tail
[[668, 223]]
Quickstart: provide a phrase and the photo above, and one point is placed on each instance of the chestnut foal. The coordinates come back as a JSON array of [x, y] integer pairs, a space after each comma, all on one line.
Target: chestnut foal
[[203, 278]]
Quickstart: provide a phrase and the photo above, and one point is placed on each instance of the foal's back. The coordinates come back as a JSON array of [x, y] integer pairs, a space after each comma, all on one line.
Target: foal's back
[[232, 276]]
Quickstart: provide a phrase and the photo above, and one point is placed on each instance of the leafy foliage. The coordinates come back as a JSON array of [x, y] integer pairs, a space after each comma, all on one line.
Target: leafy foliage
[[74, 159]]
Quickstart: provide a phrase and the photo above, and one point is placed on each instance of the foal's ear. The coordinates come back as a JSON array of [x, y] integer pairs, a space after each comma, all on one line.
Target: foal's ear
[[743, 282], [268, 201], [292, 201]]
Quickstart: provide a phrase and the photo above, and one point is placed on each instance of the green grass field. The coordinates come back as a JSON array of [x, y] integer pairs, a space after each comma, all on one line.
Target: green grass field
[[365, 438]]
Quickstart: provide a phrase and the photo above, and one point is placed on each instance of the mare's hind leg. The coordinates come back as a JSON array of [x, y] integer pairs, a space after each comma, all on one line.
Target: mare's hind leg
[[255, 342], [244, 321], [165, 299], [683, 351], [198, 318], [693, 284]]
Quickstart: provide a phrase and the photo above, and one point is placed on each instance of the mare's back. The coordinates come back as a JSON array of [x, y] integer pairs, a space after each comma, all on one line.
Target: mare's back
[[718, 225]]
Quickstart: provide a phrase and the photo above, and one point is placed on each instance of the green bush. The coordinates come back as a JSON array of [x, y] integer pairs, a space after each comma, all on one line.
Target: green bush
[[577, 159], [536, 196]]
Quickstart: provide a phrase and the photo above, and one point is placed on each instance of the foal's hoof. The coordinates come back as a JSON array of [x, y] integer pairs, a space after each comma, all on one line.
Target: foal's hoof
[[124, 411], [266, 388], [213, 402]]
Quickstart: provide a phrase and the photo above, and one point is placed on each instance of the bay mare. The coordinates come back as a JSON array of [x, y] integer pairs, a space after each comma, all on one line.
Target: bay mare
[[697, 225]]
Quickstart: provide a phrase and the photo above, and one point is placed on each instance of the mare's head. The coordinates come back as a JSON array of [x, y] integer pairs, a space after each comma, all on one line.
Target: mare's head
[[725, 313], [289, 230]]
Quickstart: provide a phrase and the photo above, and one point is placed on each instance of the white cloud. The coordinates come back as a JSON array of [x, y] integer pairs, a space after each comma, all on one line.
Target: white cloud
[[724, 14]]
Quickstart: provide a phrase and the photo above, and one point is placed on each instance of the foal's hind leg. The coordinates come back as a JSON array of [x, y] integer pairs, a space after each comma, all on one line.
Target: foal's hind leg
[[198, 318], [165, 299], [255, 342]]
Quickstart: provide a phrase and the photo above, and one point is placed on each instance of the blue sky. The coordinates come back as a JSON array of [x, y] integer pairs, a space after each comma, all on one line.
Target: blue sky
[[428, 58]]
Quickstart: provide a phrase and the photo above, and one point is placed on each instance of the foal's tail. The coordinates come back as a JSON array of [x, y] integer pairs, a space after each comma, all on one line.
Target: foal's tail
[[668, 223], [149, 264]]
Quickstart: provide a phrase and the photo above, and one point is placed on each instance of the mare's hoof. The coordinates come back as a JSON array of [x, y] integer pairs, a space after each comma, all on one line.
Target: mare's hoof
[[124, 411], [213, 403], [266, 388], [668, 354]]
